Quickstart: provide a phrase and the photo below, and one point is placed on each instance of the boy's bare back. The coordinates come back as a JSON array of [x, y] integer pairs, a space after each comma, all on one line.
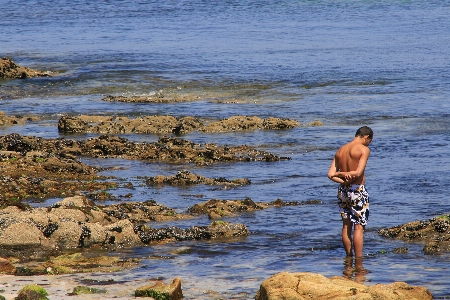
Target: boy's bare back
[[348, 158], [350, 161]]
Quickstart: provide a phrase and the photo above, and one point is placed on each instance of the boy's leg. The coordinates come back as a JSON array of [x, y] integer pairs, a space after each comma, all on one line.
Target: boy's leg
[[358, 240], [347, 236]]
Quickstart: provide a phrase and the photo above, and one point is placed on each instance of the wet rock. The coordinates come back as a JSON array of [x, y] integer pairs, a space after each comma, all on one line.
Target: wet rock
[[168, 124], [315, 286], [76, 223], [217, 229], [121, 125], [31, 169], [9, 69], [160, 291], [216, 208], [15, 120], [80, 262], [156, 98], [401, 250], [141, 212], [435, 233], [280, 202], [105, 146], [73, 124], [187, 178], [221, 208], [241, 123]]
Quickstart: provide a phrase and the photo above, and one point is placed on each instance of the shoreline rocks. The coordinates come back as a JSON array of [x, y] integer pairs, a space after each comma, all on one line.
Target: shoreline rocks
[[300, 286], [166, 149], [76, 223], [39, 168], [435, 233], [170, 124]]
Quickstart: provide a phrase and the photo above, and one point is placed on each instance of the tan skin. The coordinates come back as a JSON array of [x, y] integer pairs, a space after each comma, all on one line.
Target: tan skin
[[348, 167]]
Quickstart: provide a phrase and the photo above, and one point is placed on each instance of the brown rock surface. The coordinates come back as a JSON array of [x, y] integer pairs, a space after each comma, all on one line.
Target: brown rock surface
[[240, 123], [120, 125], [9, 69], [76, 223], [14, 120], [315, 286], [160, 290], [41, 174], [169, 124], [165, 149], [187, 178], [435, 233], [39, 168], [216, 209]]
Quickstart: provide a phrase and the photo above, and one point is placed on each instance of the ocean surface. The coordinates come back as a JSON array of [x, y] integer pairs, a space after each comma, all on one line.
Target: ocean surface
[[349, 63]]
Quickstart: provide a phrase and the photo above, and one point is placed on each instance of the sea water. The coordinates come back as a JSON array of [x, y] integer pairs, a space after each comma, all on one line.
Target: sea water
[[384, 64]]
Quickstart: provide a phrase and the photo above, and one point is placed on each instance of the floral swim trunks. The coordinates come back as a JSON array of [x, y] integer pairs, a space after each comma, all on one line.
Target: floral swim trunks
[[353, 203]]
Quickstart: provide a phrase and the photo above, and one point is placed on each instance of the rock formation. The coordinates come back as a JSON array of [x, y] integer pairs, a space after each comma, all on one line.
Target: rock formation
[[305, 286]]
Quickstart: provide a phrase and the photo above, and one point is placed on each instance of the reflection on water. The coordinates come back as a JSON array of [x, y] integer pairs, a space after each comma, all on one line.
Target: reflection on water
[[354, 269]]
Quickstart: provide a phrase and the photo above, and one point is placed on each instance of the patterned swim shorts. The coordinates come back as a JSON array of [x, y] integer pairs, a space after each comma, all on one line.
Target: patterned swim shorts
[[353, 203]]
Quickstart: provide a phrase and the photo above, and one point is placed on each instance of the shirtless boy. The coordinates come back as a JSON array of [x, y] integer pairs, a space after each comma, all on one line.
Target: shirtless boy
[[347, 169]]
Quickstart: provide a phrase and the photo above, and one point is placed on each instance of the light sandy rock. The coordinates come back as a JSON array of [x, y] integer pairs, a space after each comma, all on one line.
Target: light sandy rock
[[301, 286]]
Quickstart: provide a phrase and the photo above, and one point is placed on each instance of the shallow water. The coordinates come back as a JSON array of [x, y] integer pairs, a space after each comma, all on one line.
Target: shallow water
[[346, 63]]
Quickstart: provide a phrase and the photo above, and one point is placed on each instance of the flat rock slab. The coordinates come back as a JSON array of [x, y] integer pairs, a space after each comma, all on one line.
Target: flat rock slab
[[306, 286]]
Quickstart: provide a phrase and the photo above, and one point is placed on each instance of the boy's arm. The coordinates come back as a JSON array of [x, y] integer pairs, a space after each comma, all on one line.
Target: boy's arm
[[333, 173]]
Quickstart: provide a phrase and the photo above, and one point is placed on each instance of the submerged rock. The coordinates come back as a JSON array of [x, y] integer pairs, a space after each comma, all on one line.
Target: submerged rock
[[216, 208], [435, 233], [315, 286], [79, 262], [156, 98], [14, 120], [187, 178]]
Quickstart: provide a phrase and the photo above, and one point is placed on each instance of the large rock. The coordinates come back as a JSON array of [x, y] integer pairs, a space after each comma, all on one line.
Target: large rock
[[301, 286]]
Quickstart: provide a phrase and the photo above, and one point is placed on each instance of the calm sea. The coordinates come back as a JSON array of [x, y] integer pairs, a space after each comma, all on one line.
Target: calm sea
[[346, 63]]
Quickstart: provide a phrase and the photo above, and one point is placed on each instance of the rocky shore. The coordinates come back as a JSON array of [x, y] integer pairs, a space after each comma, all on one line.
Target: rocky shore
[[73, 235]]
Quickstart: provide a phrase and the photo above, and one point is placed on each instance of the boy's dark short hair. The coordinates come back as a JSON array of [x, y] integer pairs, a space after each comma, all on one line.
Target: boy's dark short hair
[[363, 131]]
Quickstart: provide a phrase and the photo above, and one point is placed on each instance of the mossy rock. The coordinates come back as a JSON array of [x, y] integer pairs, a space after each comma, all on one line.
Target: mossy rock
[[161, 291], [152, 293], [78, 290], [32, 292]]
